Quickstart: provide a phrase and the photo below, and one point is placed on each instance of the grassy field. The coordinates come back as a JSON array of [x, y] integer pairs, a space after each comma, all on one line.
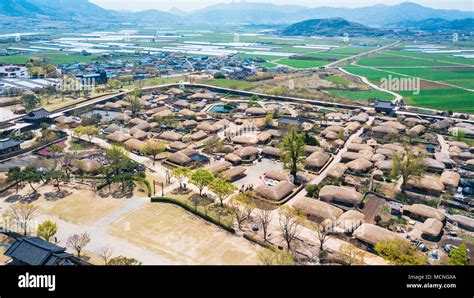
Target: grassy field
[[52, 57], [363, 95], [303, 63], [456, 100], [338, 80], [232, 84], [396, 61]]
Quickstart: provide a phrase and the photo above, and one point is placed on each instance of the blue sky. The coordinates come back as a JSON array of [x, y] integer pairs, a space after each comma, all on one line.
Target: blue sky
[[188, 5]]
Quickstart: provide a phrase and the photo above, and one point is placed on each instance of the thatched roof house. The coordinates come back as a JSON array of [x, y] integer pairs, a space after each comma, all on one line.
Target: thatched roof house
[[87, 165], [200, 96], [426, 184], [175, 91], [450, 179], [349, 221], [233, 174], [462, 221], [358, 147], [361, 117], [342, 195], [316, 210], [431, 229], [350, 156], [134, 145], [139, 134], [422, 212], [255, 111], [394, 124], [317, 160], [416, 130], [182, 103], [119, 136], [177, 146], [247, 153], [190, 123], [145, 126], [171, 136], [234, 159], [205, 126], [112, 128], [360, 165], [179, 158], [275, 193], [244, 140], [264, 137], [275, 175], [218, 167], [337, 170], [433, 165], [271, 152], [384, 165], [199, 135], [384, 130], [371, 234]]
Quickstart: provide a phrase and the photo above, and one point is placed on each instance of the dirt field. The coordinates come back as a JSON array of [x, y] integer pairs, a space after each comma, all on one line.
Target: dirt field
[[80, 207], [177, 235]]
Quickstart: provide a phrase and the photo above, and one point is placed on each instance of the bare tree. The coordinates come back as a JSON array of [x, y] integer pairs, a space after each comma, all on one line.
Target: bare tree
[[351, 254], [22, 214], [289, 224], [264, 217], [322, 234], [237, 211], [105, 253], [78, 242]]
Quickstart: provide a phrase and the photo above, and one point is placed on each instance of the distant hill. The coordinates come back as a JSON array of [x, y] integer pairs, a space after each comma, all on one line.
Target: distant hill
[[153, 15], [177, 12], [56, 10], [227, 13], [330, 27], [376, 15], [438, 24]]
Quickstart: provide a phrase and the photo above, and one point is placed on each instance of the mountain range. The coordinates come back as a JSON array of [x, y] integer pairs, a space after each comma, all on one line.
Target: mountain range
[[236, 13]]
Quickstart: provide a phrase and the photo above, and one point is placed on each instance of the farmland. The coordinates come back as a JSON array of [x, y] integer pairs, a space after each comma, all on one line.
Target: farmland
[[446, 80]]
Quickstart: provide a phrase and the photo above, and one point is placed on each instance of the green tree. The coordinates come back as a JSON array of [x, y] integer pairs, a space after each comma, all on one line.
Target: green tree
[[47, 229], [15, 176], [222, 189], [268, 119], [56, 176], [458, 256], [407, 165], [180, 174], [30, 101], [31, 175], [153, 148], [400, 252], [89, 131], [201, 178], [292, 149]]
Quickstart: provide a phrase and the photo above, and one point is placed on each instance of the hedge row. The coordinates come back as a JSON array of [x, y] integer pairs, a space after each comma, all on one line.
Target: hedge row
[[193, 211], [257, 241]]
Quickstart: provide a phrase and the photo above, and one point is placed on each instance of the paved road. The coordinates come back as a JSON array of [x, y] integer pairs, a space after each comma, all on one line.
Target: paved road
[[398, 97]]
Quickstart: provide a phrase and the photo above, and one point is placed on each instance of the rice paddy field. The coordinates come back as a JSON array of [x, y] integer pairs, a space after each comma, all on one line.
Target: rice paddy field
[[447, 82]]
